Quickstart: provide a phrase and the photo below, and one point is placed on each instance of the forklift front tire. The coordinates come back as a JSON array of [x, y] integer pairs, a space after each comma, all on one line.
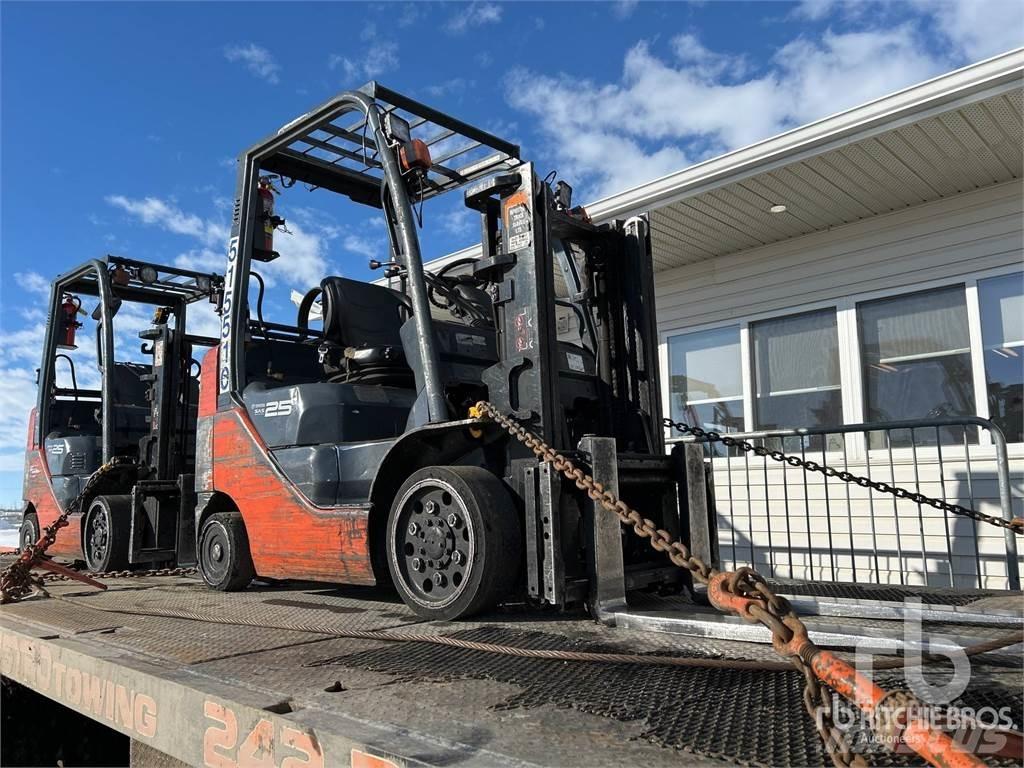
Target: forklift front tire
[[224, 559], [28, 534], [453, 541], [105, 535]]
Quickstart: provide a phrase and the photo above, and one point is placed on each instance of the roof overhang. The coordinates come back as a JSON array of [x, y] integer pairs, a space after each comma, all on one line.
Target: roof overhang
[[957, 132]]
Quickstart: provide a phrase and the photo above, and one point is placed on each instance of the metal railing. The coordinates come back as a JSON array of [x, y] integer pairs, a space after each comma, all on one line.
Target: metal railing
[[790, 523]]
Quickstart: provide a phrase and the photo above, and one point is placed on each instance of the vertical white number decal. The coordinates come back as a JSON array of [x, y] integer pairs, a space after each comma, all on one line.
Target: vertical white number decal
[[224, 375]]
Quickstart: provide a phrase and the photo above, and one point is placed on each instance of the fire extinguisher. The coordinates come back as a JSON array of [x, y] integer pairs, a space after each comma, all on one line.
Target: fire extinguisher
[[266, 214], [69, 310]]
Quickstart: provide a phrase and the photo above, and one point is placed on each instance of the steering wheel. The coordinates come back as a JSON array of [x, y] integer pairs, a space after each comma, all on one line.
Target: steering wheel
[[305, 306], [439, 277]]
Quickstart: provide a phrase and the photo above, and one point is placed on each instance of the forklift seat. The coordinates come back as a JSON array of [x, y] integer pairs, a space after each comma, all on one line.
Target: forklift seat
[[362, 322]]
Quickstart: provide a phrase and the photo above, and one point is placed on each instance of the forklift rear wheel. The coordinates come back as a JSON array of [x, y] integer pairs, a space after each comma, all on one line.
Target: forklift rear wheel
[[29, 532], [224, 559], [453, 542], [105, 537]]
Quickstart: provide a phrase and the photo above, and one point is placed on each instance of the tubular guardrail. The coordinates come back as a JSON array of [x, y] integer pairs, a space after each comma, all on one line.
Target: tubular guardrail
[[828, 530]]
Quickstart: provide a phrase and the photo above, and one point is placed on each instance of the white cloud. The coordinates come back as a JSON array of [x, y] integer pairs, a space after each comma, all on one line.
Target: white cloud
[[379, 57], [665, 112], [623, 9], [166, 215], [971, 29], [257, 59], [455, 85], [411, 13], [815, 10], [302, 248], [367, 247], [24, 345], [978, 28], [843, 69], [203, 320], [32, 282], [458, 221], [690, 50], [17, 398], [201, 260], [473, 15], [302, 259]]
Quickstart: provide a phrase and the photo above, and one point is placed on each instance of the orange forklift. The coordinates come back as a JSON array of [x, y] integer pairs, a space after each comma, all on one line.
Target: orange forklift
[[335, 445], [143, 409]]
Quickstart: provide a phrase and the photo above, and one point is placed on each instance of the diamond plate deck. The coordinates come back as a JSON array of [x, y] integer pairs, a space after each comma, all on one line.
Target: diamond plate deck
[[276, 671]]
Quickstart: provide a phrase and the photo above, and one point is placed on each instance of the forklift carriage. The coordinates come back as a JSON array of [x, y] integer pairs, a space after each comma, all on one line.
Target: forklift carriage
[[143, 411]]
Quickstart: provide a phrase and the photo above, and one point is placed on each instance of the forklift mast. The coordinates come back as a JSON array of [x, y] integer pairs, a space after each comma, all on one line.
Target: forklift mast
[[597, 400], [529, 236]]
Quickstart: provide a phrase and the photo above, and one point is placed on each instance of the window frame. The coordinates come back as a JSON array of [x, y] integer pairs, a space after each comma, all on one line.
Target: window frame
[[851, 380], [665, 361], [804, 390]]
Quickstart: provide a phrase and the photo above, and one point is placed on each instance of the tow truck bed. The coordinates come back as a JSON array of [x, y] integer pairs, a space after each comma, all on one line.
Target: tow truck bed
[[213, 679]]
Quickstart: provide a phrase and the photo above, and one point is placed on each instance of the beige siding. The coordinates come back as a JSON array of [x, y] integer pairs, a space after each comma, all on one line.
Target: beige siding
[[774, 510], [970, 232], [946, 239]]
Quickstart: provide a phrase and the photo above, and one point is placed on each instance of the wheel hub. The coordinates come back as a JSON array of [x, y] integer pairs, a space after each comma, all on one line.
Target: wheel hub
[[98, 536], [438, 543], [214, 552], [432, 542]]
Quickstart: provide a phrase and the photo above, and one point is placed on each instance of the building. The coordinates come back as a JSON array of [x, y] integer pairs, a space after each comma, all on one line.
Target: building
[[866, 267]]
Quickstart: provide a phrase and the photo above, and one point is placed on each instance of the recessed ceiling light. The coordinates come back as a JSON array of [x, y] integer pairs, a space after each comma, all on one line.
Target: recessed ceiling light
[[780, 208]]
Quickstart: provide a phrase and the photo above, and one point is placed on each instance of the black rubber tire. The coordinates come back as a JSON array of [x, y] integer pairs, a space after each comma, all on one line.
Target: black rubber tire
[[489, 537], [105, 531], [28, 533], [225, 562]]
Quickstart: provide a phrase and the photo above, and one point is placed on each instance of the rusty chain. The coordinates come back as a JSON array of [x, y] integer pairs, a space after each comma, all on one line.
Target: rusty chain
[[1016, 525], [763, 606], [17, 580], [125, 574]]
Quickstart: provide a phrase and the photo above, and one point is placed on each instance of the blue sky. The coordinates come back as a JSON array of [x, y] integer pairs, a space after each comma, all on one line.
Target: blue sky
[[121, 121]]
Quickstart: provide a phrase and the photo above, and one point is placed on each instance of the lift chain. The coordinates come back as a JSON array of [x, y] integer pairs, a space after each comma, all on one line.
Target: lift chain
[[1016, 525], [746, 593], [16, 581]]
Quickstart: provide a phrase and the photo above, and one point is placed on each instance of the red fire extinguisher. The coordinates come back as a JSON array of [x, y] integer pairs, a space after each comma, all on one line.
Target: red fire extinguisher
[[265, 212], [69, 311]]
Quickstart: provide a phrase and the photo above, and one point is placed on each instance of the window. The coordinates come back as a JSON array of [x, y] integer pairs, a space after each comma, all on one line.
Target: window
[[916, 360], [950, 351], [706, 382], [1002, 339], [796, 374]]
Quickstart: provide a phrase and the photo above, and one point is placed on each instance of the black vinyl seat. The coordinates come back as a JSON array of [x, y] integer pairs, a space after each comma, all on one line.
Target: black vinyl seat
[[362, 332]]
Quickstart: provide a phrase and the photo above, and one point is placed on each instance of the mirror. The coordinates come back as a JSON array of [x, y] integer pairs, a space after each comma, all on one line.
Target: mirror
[[97, 314]]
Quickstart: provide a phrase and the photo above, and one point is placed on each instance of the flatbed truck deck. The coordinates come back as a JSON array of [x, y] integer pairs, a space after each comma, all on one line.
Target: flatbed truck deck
[[261, 677]]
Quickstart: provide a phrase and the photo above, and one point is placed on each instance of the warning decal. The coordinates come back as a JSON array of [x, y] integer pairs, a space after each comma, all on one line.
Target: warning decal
[[520, 226]]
